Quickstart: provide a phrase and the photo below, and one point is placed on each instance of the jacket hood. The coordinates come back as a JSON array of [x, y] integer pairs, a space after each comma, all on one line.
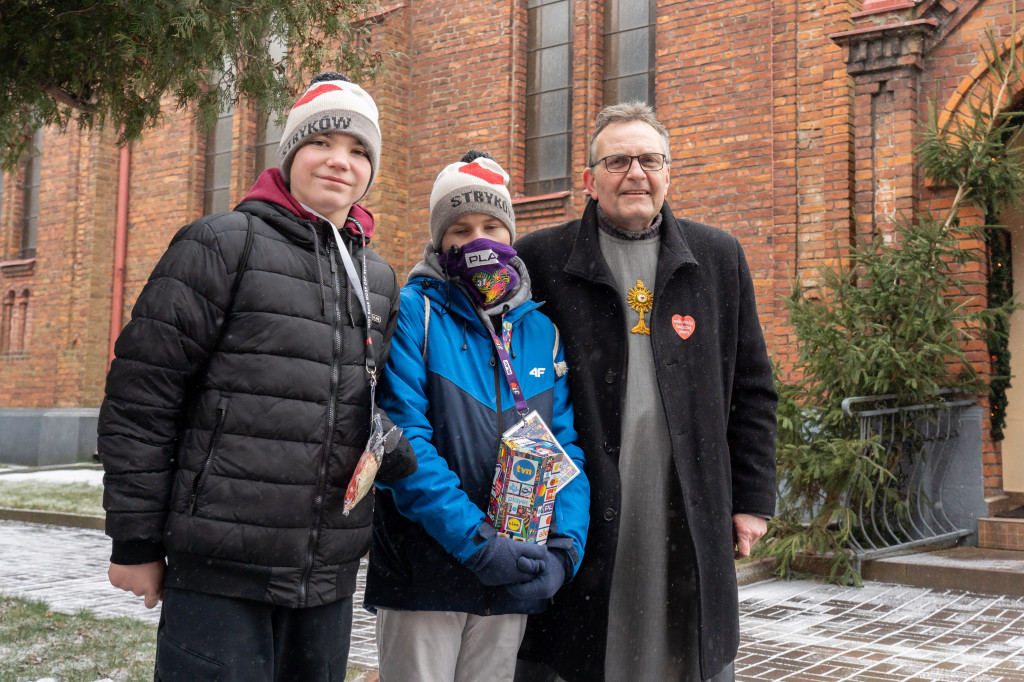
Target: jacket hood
[[271, 188]]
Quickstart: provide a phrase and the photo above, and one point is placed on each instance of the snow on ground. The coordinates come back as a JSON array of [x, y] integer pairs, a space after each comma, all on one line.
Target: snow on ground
[[90, 476]]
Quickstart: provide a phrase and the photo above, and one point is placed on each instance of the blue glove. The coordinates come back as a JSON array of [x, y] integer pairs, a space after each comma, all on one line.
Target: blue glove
[[503, 561], [547, 582]]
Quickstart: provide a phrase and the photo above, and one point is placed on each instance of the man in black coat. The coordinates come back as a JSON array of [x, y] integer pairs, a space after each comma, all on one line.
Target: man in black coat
[[675, 407]]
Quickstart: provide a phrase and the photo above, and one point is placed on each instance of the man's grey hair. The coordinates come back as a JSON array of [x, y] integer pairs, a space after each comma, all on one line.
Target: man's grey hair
[[626, 112]]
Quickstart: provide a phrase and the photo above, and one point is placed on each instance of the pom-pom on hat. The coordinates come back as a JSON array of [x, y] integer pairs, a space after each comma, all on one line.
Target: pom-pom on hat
[[331, 104], [476, 184]]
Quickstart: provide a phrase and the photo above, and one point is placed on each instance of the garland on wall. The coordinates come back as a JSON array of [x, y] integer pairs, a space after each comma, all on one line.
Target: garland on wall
[[1000, 291]]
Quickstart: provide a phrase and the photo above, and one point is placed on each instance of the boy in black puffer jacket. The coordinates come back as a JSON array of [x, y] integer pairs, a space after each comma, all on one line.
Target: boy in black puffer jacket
[[239, 403]]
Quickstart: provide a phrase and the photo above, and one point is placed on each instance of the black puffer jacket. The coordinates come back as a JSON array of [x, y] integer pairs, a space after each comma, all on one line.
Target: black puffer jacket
[[233, 461]]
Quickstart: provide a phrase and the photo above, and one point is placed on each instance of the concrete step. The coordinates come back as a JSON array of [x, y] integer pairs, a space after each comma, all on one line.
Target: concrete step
[[970, 569]]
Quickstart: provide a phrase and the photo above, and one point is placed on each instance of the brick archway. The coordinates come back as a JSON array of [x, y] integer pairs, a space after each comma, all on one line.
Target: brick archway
[[982, 80]]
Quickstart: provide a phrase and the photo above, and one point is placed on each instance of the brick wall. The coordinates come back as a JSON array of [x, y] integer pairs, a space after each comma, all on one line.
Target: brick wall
[[789, 128]]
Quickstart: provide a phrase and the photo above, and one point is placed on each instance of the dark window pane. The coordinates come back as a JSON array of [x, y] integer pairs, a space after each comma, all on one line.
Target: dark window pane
[[30, 231], [554, 67], [533, 72], [627, 53], [547, 113], [222, 170], [222, 133], [554, 24], [629, 89], [533, 30], [267, 142], [533, 152], [219, 201], [554, 162], [633, 13], [634, 51], [622, 15]]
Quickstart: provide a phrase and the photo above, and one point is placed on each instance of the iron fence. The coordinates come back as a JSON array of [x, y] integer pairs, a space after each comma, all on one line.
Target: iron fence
[[919, 443]]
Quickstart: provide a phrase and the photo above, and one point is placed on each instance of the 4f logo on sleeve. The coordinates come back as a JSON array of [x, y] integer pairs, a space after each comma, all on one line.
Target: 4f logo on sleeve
[[537, 372]]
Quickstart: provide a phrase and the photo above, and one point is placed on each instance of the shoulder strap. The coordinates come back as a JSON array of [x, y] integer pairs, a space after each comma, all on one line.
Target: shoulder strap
[[426, 325], [243, 263], [560, 367]]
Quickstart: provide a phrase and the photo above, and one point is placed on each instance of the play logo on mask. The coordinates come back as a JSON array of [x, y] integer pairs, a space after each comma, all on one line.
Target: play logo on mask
[[483, 265], [479, 259]]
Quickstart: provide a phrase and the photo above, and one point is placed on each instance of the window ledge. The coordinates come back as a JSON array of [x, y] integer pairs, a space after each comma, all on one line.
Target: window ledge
[[542, 206], [527, 201], [16, 268]]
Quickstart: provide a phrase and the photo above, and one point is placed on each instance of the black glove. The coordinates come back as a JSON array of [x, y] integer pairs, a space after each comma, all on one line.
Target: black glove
[[399, 458], [504, 561], [551, 577]]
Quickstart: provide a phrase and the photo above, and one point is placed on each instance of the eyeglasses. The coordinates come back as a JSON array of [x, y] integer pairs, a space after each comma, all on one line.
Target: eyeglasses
[[621, 163]]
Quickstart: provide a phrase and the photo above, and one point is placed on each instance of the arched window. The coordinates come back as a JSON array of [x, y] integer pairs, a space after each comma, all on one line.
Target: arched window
[[23, 320], [6, 322]]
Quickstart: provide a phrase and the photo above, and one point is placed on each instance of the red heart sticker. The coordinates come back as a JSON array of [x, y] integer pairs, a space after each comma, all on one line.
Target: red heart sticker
[[684, 326]]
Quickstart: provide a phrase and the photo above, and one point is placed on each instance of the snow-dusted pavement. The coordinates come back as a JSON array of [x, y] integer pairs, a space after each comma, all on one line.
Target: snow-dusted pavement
[[799, 631], [804, 631]]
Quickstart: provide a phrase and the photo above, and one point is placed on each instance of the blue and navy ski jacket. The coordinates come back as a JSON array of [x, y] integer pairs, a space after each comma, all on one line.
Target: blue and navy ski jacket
[[454, 405]]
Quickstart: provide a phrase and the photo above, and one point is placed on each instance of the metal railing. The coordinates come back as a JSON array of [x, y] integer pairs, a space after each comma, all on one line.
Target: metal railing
[[919, 443]]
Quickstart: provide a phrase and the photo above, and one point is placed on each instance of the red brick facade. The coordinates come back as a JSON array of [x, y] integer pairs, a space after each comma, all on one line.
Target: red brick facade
[[792, 126]]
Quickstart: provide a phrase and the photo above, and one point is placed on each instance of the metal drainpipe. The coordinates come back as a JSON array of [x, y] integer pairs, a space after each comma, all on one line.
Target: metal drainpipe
[[120, 247]]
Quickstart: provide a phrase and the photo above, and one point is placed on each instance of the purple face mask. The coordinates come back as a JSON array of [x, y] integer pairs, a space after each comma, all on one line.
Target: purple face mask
[[483, 266]]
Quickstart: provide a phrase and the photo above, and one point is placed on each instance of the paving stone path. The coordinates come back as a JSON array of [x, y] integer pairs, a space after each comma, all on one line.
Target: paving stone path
[[798, 631]]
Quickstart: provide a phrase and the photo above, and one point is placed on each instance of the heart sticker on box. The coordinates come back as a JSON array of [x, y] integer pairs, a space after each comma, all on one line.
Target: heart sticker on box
[[684, 325]]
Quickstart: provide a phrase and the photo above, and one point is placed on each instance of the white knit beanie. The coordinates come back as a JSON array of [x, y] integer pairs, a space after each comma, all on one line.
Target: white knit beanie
[[331, 104], [477, 184]]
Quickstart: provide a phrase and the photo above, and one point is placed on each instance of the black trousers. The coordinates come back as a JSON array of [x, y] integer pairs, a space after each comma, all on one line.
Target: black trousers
[[204, 637]]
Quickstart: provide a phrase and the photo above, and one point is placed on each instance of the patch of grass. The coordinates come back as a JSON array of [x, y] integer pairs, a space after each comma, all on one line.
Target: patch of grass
[[74, 498], [36, 642]]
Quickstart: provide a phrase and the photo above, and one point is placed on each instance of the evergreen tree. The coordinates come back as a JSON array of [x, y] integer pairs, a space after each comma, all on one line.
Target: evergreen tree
[[111, 62], [893, 318]]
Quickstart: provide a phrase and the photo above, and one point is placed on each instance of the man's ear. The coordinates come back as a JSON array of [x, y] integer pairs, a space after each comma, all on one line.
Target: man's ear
[[588, 183]]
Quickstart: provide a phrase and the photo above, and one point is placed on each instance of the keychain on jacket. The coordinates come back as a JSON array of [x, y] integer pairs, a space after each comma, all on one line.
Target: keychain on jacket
[[373, 453]]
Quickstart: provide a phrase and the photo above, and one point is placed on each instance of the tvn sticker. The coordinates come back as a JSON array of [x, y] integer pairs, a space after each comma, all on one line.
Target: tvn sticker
[[524, 470]]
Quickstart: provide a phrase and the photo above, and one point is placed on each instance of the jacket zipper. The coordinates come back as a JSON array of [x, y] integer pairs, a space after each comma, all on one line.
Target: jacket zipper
[[318, 501], [495, 361], [200, 479]]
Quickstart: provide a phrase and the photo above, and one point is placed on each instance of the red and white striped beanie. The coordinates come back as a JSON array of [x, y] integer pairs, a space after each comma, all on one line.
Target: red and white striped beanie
[[331, 104]]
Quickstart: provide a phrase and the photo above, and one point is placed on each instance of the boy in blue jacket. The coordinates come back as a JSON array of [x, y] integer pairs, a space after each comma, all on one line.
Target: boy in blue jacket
[[451, 596]]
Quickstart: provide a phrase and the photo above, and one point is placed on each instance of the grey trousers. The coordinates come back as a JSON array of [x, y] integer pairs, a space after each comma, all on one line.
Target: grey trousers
[[447, 646]]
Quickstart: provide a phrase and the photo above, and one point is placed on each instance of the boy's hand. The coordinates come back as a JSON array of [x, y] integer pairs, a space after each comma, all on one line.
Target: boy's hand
[[142, 580]]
